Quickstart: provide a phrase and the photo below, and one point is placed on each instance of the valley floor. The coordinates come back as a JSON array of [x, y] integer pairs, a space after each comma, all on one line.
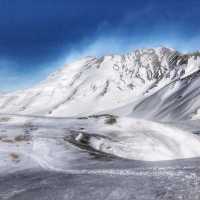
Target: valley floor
[[97, 157]]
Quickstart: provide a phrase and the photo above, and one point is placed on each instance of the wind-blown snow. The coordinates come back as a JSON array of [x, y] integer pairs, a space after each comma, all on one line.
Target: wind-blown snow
[[145, 140]]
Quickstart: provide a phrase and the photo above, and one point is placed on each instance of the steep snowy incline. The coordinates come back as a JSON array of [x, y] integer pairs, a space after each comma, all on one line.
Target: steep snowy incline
[[179, 100], [92, 85]]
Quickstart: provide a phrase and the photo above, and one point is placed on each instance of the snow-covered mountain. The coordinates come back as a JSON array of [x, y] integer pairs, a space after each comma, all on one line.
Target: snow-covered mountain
[[120, 93], [156, 83]]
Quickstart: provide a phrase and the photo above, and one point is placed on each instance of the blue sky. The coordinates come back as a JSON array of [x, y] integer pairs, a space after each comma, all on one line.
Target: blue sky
[[38, 36]]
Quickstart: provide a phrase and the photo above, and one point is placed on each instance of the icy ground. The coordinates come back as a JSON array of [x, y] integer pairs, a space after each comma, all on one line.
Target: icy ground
[[97, 157]]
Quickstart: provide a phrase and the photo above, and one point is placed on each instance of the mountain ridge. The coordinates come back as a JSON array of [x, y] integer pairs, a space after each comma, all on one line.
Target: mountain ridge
[[92, 85]]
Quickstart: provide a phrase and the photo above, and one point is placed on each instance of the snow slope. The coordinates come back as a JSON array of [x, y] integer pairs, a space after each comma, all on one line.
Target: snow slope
[[179, 100], [93, 85]]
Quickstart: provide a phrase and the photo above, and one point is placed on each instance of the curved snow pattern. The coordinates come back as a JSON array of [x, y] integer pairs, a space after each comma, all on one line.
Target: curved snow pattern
[[144, 140]]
